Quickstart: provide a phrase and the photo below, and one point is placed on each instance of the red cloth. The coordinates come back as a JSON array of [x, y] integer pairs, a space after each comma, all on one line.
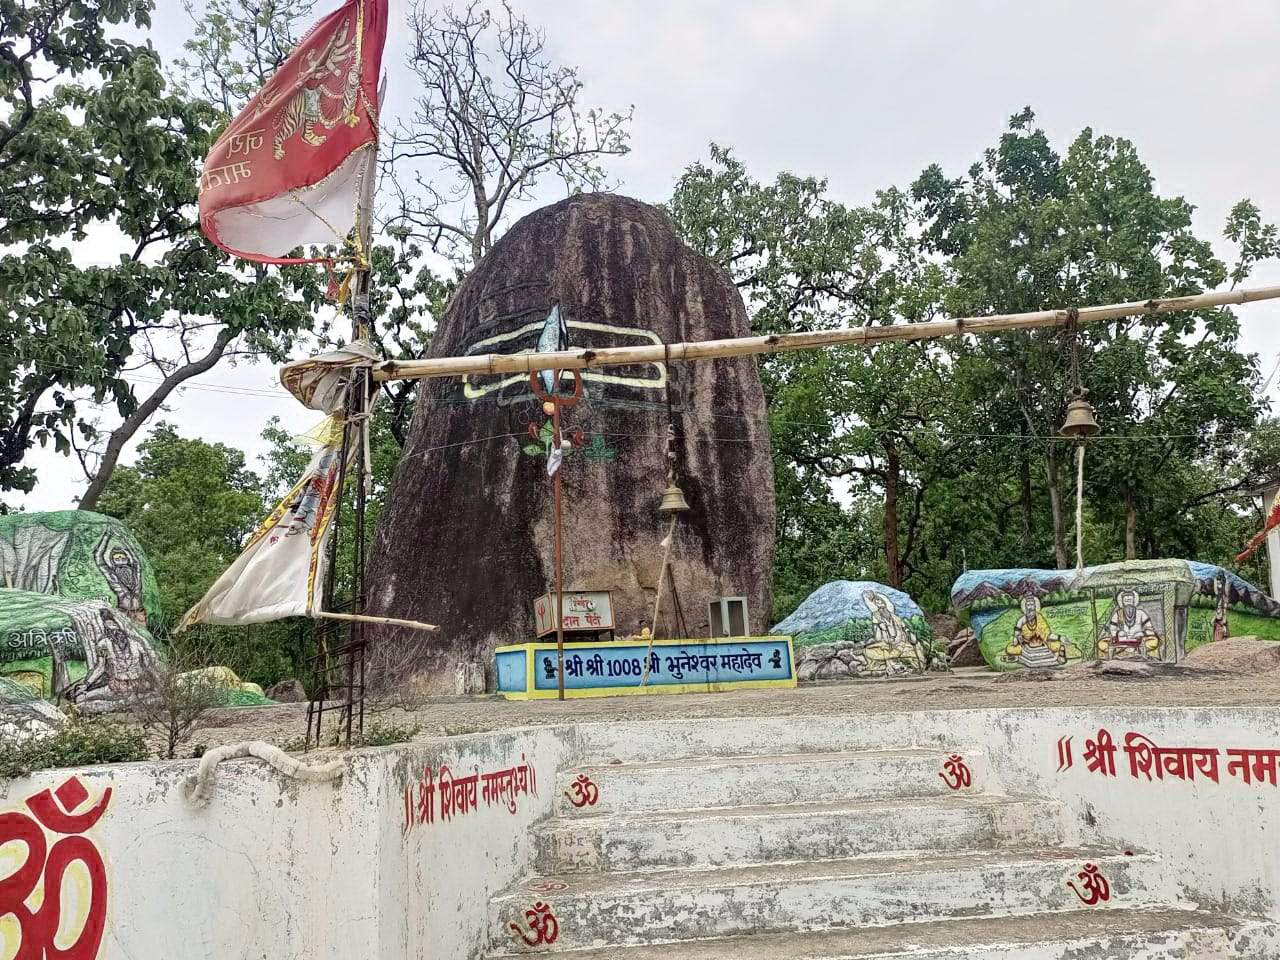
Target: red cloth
[[1273, 520], [289, 170]]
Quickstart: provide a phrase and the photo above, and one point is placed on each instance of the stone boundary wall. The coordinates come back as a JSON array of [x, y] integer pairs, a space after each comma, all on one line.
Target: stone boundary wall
[[399, 859]]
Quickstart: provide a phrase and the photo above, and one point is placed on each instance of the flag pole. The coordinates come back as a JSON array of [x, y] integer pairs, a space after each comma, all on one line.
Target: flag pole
[[355, 429], [581, 359]]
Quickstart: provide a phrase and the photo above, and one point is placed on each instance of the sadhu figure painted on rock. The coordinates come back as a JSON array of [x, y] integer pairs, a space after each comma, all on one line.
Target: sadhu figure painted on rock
[[891, 640], [1034, 643], [1129, 628]]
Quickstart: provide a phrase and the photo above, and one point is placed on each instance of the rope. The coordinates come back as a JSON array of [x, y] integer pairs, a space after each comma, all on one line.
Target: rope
[[657, 600], [198, 787], [1080, 507]]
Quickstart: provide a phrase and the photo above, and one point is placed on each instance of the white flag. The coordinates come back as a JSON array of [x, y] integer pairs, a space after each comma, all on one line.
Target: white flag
[[281, 570]]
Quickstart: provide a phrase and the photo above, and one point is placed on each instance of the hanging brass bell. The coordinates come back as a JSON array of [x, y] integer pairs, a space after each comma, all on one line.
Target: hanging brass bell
[[673, 501], [1080, 423]]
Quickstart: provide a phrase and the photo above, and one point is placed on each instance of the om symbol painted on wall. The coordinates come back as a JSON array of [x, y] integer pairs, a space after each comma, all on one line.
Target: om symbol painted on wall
[[955, 772], [543, 926], [53, 895], [1096, 888], [585, 792]]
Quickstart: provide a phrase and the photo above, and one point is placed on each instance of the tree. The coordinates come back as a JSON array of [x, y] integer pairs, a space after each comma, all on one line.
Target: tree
[[867, 419], [913, 462], [173, 697], [235, 46], [1027, 229], [191, 504], [115, 156], [70, 39], [495, 118]]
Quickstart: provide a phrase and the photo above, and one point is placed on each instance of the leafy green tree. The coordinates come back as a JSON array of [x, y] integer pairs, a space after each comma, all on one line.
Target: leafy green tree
[[109, 152], [946, 455], [1027, 229], [867, 419], [191, 504]]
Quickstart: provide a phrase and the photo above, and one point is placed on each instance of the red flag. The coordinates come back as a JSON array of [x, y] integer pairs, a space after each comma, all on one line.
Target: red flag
[[1273, 521], [291, 168]]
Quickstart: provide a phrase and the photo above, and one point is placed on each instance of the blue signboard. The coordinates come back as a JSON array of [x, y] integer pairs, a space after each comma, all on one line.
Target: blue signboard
[[674, 666]]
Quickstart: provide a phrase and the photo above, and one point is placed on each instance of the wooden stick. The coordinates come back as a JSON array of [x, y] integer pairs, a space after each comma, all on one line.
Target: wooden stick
[[367, 618], [580, 359]]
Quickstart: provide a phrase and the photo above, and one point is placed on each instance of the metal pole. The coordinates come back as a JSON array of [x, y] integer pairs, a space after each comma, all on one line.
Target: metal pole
[[555, 436], [361, 321]]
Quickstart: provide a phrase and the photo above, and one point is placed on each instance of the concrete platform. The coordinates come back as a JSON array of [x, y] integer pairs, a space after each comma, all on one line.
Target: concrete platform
[[1074, 935], [651, 907], [830, 830], [830, 839]]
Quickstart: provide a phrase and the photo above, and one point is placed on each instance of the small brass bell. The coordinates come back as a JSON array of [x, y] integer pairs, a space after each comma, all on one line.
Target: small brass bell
[[1080, 423], [673, 501]]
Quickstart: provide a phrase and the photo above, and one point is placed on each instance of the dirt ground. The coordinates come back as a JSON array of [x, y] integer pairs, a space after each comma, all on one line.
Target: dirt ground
[[1237, 672]]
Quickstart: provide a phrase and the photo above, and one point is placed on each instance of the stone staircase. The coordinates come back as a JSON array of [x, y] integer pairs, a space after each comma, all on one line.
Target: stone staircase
[[881, 853]]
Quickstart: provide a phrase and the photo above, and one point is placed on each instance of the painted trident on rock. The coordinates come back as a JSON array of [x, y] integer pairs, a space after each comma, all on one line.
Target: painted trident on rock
[[546, 389]]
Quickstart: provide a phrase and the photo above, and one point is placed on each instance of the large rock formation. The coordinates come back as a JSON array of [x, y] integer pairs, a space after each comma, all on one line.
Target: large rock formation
[[466, 537]]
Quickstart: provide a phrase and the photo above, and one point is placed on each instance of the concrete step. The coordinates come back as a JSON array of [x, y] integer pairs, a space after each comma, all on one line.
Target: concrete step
[[596, 910], [833, 830], [640, 741], [1122, 934], [756, 780]]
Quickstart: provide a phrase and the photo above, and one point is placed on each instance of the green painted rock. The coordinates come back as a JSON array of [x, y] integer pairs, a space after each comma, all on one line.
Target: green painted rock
[[85, 649], [79, 555]]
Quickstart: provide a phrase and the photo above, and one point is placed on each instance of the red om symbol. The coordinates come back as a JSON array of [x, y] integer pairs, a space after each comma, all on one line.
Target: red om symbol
[[954, 773], [543, 926], [45, 866], [585, 792], [1095, 884]]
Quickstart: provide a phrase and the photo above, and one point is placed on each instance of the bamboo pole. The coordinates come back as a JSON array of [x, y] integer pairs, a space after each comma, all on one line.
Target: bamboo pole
[[369, 618], [581, 359]]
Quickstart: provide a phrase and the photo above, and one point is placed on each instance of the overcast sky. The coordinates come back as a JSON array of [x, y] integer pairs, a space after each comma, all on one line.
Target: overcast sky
[[866, 94]]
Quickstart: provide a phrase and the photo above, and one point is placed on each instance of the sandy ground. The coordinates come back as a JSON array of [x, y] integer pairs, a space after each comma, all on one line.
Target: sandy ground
[[1237, 672]]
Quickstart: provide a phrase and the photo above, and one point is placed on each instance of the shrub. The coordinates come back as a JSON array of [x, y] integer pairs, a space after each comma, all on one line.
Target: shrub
[[378, 735], [81, 742]]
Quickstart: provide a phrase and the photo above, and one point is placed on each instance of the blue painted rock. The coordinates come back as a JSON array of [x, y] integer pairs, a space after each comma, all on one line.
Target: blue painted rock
[[860, 629]]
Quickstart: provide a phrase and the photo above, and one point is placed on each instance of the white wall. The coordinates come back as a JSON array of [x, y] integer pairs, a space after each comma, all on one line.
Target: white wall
[[275, 867]]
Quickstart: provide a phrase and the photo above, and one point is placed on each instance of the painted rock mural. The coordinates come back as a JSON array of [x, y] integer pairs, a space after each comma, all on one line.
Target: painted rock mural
[[78, 594], [466, 537], [24, 715], [859, 629], [1148, 609], [81, 555]]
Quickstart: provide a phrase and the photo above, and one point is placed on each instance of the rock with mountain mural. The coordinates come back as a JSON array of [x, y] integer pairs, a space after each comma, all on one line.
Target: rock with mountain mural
[[466, 537], [860, 629], [1156, 610]]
